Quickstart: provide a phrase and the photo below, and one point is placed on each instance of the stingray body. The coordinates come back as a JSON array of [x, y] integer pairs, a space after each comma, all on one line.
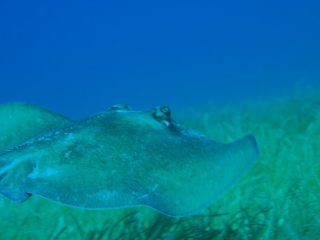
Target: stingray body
[[117, 158]]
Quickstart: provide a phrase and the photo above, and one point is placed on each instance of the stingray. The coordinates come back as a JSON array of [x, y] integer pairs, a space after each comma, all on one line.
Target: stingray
[[117, 158]]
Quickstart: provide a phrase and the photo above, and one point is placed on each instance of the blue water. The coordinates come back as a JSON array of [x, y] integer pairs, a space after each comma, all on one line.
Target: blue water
[[80, 57]]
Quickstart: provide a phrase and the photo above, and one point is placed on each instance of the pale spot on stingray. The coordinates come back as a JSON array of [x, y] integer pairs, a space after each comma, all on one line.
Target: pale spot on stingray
[[154, 187], [69, 137], [67, 154], [47, 173]]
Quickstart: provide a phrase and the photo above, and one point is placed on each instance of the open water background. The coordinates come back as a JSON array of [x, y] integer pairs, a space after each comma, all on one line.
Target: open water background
[[80, 57]]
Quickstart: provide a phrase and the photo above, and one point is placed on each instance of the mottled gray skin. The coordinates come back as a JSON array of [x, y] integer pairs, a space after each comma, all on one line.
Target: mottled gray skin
[[122, 158]]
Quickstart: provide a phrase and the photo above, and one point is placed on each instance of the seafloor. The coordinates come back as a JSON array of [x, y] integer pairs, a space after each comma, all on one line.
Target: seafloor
[[277, 199]]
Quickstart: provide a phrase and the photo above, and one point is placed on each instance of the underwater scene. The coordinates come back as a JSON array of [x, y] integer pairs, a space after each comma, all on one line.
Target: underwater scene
[[160, 120]]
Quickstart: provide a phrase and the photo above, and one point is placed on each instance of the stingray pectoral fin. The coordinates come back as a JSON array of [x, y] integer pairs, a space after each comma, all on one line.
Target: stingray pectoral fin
[[237, 158], [213, 174], [12, 182], [20, 122]]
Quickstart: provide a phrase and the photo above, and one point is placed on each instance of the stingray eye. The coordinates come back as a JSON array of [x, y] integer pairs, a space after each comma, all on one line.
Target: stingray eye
[[120, 107], [165, 110], [162, 114]]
